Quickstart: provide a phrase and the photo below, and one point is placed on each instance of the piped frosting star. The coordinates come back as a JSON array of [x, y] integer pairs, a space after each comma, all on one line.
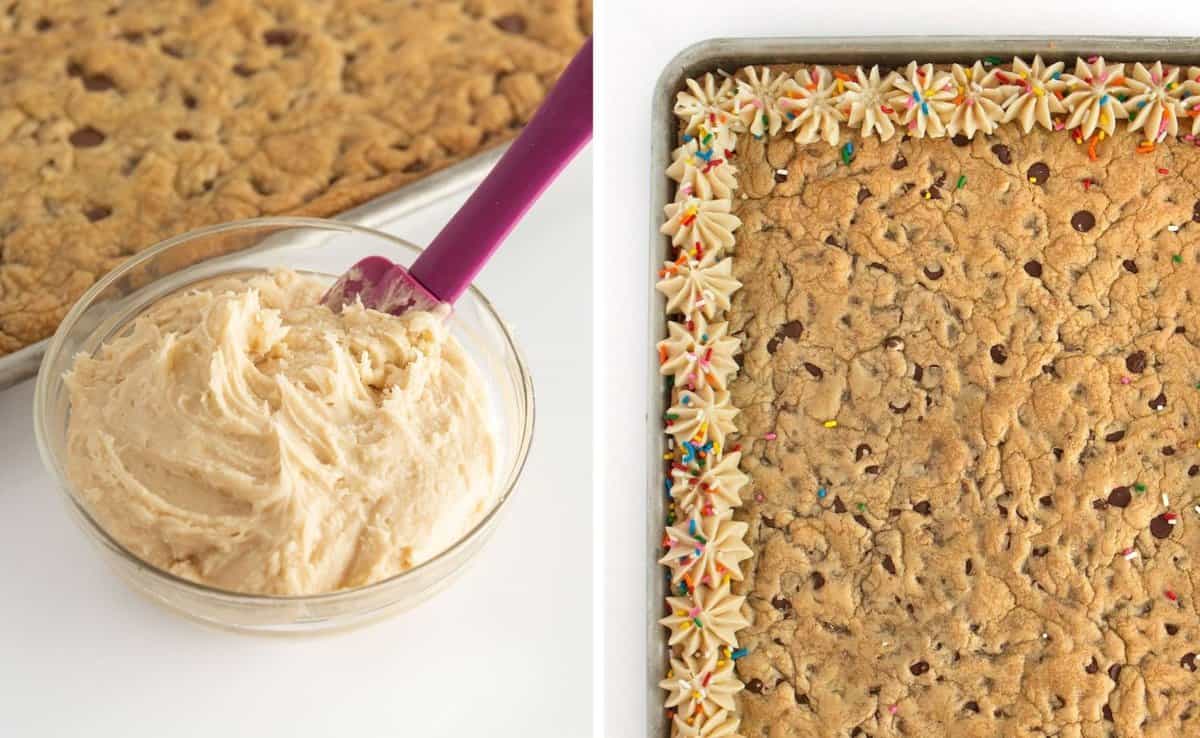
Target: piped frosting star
[[865, 101], [924, 100], [705, 104], [809, 104], [756, 101], [692, 220], [1157, 100], [1094, 96], [700, 684], [721, 724], [702, 285], [709, 490], [977, 104], [706, 620], [696, 353], [702, 173], [705, 550], [702, 416], [1034, 93]]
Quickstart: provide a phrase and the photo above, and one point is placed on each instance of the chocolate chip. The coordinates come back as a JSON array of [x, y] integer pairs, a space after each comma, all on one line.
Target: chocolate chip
[[1188, 661], [1033, 268], [969, 567], [1039, 173], [43, 24], [889, 565], [960, 140], [242, 70], [1083, 221], [918, 372], [1046, 500], [512, 23], [781, 603], [862, 452], [1107, 712], [814, 370], [1100, 504], [973, 706], [189, 102], [74, 69], [1196, 212], [1193, 470], [877, 265], [754, 686], [1130, 266], [838, 506], [773, 344], [1058, 452], [86, 138], [893, 343], [998, 354], [898, 409], [279, 37], [1115, 436], [932, 193], [862, 521], [1092, 667], [1136, 362], [872, 469], [935, 273], [1160, 527], [1120, 497], [1114, 672], [99, 212], [182, 135], [792, 329], [818, 580], [919, 668], [863, 194], [1158, 403], [1049, 369], [780, 175], [98, 82], [832, 241], [1002, 153], [923, 507], [899, 162], [1168, 450], [1171, 628], [1040, 551]]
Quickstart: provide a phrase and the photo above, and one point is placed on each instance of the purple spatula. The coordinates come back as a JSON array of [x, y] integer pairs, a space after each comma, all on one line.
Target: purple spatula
[[443, 271]]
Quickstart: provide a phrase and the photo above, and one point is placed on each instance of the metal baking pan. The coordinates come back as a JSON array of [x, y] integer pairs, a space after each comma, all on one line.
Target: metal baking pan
[[377, 213], [731, 54]]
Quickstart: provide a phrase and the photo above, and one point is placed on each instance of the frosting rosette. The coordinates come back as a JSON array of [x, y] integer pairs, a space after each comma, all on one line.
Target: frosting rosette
[[700, 684], [809, 102], [978, 102], [1157, 100], [705, 621], [697, 353], [924, 100], [1033, 97], [721, 724], [703, 285], [711, 489], [756, 101], [865, 99], [706, 549], [708, 223], [703, 173], [702, 416], [706, 103], [1093, 99]]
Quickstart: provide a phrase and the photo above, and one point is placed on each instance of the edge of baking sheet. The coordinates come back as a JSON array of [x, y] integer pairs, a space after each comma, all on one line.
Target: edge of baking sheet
[[731, 54], [377, 213]]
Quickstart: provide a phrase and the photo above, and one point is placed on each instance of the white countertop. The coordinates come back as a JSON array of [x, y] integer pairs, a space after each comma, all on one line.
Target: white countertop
[[636, 40], [506, 651]]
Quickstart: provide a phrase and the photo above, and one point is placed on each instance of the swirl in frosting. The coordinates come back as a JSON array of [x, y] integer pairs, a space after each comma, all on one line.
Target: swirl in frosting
[[1034, 93], [756, 101], [703, 285], [1094, 96], [697, 353], [692, 221], [977, 105], [712, 490], [810, 103], [706, 550], [700, 683], [702, 173], [705, 103], [1157, 100], [707, 620], [702, 416], [924, 100], [866, 96], [721, 724]]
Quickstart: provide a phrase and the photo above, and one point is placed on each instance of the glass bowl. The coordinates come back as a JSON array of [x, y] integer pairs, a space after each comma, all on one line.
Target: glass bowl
[[321, 247]]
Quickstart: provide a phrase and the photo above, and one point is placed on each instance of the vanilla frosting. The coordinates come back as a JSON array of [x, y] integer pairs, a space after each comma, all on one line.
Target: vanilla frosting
[[713, 490], [1157, 103], [867, 99], [1094, 97], [700, 683], [756, 101], [809, 102], [1034, 93], [924, 100], [706, 620], [709, 223], [705, 104], [721, 724], [701, 416], [704, 286], [702, 173], [706, 549], [698, 353], [977, 104], [244, 436]]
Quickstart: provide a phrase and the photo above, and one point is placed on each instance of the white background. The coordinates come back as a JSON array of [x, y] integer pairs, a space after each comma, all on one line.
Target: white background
[[637, 38], [504, 652]]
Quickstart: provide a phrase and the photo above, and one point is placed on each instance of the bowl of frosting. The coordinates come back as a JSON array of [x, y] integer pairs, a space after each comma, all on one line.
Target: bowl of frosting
[[248, 457]]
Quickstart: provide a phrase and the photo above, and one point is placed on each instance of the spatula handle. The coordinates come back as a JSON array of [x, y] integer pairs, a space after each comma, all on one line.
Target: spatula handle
[[558, 130]]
